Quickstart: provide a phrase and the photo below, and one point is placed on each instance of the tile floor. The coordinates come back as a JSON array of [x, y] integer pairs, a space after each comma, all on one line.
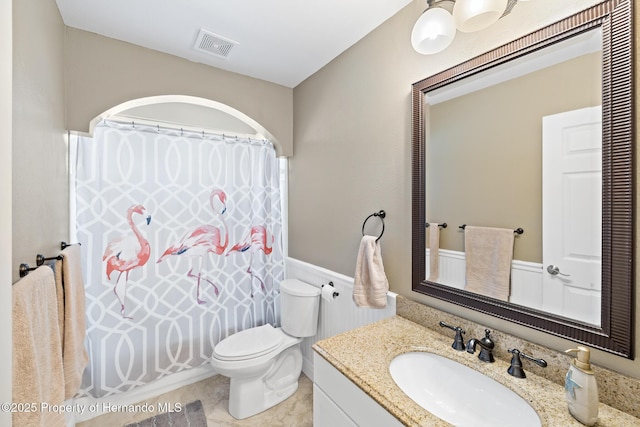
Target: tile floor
[[213, 392]]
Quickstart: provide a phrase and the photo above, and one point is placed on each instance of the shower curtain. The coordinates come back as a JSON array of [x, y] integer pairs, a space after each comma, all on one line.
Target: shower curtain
[[182, 237]]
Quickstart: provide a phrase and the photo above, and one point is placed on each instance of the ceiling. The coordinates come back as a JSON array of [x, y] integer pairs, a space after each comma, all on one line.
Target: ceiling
[[281, 41]]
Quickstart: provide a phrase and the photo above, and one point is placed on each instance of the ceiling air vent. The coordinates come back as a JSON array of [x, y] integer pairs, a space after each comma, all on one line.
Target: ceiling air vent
[[213, 44]]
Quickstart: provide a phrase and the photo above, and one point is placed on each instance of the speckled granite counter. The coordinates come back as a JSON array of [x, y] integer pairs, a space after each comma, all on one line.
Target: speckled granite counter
[[363, 355]]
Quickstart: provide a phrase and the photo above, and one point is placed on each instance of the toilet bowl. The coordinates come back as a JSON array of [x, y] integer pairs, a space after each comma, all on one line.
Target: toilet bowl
[[264, 363]]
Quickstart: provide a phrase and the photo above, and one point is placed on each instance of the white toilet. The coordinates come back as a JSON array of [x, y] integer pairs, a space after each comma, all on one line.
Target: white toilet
[[264, 362]]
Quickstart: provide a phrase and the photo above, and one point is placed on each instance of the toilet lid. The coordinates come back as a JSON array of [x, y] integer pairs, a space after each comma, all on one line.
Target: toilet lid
[[249, 343]]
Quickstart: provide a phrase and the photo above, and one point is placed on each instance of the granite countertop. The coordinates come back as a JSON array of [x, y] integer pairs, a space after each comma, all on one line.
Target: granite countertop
[[363, 355]]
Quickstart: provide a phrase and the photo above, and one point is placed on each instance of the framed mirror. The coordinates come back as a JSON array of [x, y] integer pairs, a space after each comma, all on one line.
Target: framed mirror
[[606, 90]]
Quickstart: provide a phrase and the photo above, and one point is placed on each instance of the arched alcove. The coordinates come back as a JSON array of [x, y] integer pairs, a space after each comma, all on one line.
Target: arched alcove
[[189, 113]]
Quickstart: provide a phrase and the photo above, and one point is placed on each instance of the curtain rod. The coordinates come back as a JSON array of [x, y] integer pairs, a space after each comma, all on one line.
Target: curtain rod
[[159, 125]]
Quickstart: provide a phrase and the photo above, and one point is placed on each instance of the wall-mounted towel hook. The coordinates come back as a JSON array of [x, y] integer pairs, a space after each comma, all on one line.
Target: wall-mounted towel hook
[[335, 293], [24, 269], [380, 214], [40, 259], [443, 225]]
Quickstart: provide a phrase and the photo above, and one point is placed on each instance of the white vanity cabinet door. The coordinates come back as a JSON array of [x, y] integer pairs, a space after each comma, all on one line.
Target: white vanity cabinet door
[[326, 413], [356, 405]]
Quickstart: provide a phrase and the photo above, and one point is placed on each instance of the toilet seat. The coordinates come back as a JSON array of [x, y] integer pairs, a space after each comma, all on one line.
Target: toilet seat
[[249, 343]]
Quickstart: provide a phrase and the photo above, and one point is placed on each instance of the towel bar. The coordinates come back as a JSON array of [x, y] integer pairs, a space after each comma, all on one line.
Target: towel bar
[[63, 245], [517, 230], [380, 214], [40, 259], [24, 269], [443, 225]]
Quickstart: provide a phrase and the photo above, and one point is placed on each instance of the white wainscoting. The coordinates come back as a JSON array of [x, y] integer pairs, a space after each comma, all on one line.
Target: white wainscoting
[[526, 277], [341, 314]]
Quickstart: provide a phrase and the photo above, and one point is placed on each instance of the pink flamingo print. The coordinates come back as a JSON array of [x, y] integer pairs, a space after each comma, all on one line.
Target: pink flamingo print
[[255, 239], [201, 241], [126, 252]]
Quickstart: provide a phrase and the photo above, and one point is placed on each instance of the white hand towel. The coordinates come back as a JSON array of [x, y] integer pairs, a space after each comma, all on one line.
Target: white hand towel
[[370, 282], [488, 254], [434, 252]]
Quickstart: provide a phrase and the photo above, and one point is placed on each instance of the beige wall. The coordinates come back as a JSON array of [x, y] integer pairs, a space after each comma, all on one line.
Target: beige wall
[[6, 63], [101, 73], [40, 177], [352, 151]]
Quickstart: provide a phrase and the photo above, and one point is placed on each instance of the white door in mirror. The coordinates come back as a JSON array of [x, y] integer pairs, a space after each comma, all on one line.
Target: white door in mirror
[[572, 213]]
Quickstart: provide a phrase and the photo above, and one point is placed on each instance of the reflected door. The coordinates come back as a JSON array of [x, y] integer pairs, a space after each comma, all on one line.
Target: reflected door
[[572, 214]]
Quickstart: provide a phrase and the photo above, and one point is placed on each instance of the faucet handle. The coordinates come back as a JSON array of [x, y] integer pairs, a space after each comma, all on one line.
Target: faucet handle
[[516, 363], [458, 341]]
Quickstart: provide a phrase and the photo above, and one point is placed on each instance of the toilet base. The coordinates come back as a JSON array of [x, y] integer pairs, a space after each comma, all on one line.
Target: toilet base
[[250, 396]]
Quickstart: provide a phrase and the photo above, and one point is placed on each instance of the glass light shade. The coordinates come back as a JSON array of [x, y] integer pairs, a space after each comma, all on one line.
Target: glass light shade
[[433, 31], [474, 15]]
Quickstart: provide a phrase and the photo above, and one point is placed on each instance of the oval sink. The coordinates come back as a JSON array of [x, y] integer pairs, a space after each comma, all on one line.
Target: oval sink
[[458, 394]]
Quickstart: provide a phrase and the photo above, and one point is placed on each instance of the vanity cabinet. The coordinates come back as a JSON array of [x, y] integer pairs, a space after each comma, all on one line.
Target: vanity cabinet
[[338, 402]]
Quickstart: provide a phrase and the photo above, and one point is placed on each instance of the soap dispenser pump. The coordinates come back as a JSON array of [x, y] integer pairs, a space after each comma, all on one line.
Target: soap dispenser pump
[[581, 387]]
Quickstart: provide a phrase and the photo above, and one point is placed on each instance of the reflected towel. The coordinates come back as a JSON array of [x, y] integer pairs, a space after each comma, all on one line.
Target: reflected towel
[[488, 253], [37, 353], [370, 282], [434, 252], [71, 314]]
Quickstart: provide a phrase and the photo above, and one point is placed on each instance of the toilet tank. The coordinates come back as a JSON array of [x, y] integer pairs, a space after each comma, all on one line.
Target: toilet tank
[[299, 302]]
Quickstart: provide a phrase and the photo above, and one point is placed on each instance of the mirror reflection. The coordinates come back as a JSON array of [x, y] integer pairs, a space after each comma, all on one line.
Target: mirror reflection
[[520, 146]]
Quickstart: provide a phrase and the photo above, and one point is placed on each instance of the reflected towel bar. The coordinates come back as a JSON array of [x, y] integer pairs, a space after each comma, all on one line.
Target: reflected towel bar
[[517, 230], [443, 225]]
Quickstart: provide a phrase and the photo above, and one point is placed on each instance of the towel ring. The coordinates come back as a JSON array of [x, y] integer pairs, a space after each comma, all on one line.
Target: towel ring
[[381, 214]]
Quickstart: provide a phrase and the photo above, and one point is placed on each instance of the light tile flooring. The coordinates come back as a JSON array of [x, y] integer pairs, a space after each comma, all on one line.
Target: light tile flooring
[[214, 394]]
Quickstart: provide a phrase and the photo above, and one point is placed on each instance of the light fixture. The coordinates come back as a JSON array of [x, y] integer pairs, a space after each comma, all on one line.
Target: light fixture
[[475, 15], [435, 29], [433, 32]]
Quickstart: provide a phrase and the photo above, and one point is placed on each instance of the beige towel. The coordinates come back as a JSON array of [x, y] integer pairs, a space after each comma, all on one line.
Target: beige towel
[[370, 284], [70, 288], [488, 253], [37, 354], [434, 252]]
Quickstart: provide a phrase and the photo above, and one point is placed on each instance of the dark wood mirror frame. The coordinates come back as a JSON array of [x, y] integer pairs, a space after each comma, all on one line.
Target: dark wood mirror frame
[[616, 333]]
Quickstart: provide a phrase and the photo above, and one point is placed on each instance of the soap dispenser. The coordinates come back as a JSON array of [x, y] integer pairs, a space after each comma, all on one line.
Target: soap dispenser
[[581, 388]]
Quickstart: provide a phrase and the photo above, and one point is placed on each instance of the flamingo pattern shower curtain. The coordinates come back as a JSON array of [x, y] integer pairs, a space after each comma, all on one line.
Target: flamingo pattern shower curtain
[[182, 238]]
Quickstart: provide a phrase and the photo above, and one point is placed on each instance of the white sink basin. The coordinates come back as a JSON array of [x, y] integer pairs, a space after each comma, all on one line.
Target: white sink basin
[[458, 394]]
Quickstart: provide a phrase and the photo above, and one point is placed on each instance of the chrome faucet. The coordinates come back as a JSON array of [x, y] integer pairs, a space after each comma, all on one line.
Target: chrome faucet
[[486, 347], [458, 341], [515, 369]]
